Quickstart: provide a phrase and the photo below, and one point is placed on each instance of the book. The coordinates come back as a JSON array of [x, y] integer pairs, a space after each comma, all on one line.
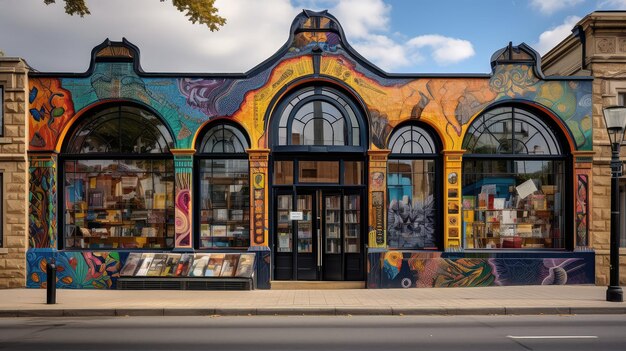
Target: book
[[185, 262], [130, 267], [157, 265], [199, 265], [218, 230], [214, 267], [230, 265], [246, 265], [145, 264], [170, 265]]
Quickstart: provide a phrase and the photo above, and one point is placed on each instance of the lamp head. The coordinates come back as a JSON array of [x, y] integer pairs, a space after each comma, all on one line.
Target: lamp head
[[615, 120]]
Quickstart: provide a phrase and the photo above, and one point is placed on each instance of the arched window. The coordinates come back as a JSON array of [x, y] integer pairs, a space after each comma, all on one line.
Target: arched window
[[318, 116], [411, 189], [514, 188], [224, 206], [118, 181]]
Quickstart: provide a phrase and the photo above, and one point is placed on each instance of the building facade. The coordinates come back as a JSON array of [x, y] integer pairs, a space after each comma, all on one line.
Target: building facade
[[316, 161], [13, 172], [597, 47]]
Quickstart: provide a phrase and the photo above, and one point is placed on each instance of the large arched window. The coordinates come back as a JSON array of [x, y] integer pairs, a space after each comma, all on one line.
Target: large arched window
[[513, 181], [318, 116], [224, 204], [118, 181], [411, 188]]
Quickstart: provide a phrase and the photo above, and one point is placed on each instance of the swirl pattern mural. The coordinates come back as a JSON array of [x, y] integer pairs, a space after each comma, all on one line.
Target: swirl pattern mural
[[404, 269], [75, 270]]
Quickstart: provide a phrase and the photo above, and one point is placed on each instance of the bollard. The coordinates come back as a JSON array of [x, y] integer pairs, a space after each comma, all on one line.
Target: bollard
[[51, 283]]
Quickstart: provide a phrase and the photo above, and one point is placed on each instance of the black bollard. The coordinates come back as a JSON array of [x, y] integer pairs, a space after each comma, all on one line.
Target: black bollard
[[51, 283]]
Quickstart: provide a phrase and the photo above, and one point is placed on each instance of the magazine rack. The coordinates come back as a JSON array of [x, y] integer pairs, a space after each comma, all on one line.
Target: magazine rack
[[201, 271]]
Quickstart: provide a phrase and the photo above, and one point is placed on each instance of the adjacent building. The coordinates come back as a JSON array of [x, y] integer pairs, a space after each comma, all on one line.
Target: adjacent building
[[597, 48]]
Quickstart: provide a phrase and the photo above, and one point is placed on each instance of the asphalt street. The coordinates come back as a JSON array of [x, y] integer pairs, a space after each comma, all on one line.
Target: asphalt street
[[565, 332]]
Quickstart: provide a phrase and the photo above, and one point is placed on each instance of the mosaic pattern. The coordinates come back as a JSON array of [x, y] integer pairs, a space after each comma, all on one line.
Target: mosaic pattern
[[401, 269], [42, 209], [582, 209], [75, 270], [182, 201]]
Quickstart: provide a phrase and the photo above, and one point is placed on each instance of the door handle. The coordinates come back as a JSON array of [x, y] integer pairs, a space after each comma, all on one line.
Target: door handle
[[319, 247]]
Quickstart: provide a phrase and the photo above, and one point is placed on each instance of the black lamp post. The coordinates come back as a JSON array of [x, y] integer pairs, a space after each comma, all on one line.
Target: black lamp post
[[615, 119]]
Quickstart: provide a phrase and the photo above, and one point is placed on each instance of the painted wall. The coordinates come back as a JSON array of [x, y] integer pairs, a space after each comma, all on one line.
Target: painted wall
[[187, 102], [403, 269]]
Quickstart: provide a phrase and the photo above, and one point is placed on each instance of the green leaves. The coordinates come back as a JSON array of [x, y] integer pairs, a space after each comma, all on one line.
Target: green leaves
[[198, 11]]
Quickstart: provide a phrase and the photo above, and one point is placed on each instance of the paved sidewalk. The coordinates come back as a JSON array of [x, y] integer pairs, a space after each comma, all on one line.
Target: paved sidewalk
[[435, 301]]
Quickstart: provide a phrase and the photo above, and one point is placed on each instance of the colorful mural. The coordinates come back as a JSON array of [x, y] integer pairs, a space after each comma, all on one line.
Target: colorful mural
[[582, 209], [42, 209], [187, 102], [182, 202], [75, 270], [403, 269]]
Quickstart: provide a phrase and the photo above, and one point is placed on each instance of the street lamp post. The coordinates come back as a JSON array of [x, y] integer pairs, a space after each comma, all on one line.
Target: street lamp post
[[615, 119]]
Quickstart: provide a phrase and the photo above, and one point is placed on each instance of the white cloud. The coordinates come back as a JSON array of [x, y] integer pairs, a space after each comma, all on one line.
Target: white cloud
[[548, 7], [52, 41], [445, 50], [551, 37], [384, 52], [366, 23], [613, 4]]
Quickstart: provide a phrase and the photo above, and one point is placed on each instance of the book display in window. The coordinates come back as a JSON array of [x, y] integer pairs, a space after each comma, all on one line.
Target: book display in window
[[284, 225], [526, 217], [112, 204], [352, 223], [305, 226], [333, 224], [225, 205]]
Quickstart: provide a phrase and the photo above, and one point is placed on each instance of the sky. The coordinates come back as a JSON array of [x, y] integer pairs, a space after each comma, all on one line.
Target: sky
[[399, 36]]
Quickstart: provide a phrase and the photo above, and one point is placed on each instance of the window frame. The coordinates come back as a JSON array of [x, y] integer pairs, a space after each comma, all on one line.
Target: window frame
[[199, 156], [566, 181], [86, 120], [437, 158], [2, 110], [294, 100]]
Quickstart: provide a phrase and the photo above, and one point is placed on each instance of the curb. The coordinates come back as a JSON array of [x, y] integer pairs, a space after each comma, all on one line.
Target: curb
[[311, 311]]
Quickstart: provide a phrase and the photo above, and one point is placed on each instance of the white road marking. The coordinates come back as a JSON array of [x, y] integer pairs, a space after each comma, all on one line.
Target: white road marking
[[552, 337]]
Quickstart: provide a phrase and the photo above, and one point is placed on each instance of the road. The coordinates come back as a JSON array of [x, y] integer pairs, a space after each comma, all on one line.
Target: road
[[394, 333]]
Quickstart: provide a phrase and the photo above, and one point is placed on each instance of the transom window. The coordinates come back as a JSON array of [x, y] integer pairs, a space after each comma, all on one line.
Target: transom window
[[319, 116], [510, 130], [121, 129]]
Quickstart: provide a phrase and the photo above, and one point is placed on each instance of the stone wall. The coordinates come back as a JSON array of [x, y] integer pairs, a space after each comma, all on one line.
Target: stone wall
[[13, 167], [610, 79]]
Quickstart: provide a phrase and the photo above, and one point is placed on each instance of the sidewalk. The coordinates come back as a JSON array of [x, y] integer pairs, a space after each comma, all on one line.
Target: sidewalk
[[435, 301]]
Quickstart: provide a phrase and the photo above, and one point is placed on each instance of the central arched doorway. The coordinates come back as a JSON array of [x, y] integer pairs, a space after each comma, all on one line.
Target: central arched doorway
[[319, 143]]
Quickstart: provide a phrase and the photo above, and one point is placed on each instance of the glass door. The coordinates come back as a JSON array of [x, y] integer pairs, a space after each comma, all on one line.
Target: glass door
[[283, 256], [306, 242], [331, 262]]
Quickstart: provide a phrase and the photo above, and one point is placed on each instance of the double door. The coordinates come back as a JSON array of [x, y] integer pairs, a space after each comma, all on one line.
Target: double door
[[318, 235]]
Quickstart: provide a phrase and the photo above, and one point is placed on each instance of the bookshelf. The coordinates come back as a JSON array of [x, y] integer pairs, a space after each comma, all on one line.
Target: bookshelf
[[332, 222], [352, 223]]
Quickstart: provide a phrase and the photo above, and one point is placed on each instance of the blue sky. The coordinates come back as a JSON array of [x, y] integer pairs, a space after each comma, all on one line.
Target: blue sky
[[416, 36]]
